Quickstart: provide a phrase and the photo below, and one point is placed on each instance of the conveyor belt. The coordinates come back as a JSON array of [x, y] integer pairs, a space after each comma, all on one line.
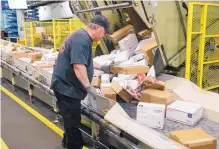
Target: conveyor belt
[[209, 126]]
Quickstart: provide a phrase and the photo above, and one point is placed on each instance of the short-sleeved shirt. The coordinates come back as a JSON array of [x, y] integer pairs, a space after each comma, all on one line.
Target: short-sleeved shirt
[[76, 49]]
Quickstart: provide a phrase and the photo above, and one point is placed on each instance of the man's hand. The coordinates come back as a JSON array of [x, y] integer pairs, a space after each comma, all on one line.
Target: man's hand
[[92, 91], [106, 69]]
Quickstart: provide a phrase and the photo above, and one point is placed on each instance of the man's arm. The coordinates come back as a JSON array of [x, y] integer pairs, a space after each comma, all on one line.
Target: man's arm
[[105, 69], [96, 66], [81, 74]]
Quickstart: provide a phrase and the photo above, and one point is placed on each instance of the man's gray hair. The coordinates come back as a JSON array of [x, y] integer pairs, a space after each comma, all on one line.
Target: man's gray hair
[[92, 25]]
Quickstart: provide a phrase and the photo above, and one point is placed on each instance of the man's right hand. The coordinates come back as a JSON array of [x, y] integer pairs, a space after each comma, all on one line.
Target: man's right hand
[[92, 91]]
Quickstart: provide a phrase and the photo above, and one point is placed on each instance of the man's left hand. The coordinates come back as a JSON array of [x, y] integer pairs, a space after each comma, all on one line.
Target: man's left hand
[[105, 69]]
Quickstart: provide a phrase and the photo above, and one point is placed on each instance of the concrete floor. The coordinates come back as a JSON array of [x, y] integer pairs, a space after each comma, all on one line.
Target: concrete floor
[[21, 130]]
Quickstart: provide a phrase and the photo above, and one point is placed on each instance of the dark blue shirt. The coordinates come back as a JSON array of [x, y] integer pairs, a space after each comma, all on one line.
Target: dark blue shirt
[[76, 49]]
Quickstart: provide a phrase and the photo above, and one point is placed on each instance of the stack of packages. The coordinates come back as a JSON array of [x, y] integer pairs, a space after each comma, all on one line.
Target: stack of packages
[[42, 58], [133, 80]]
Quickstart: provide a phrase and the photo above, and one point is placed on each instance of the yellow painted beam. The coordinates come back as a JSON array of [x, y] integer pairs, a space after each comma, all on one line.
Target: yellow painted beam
[[3, 144]]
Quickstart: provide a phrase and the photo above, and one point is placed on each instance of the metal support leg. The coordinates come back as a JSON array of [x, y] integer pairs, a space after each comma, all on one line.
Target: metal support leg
[[13, 81], [95, 133], [30, 91]]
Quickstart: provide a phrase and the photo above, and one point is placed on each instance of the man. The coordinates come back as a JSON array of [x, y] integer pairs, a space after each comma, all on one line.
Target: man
[[73, 74]]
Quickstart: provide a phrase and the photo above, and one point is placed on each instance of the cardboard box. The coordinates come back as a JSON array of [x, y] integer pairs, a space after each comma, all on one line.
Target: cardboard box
[[46, 65], [147, 50], [108, 93], [151, 115], [96, 82], [36, 56], [121, 92], [145, 34], [156, 96], [122, 56], [152, 83], [194, 138], [105, 85], [138, 57], [19, 54], [130, 42], [184, 112], [129, 69], [121, 33]]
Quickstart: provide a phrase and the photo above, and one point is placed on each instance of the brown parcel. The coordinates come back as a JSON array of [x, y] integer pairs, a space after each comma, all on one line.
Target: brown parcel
[[145, 34], [156, 96], [96, 82], [194, 138], [147, 50], [121, 33], [36, 56], [19, 54], [121, 92], [153, 84], [45, 65], [108, 93], [129, 69]]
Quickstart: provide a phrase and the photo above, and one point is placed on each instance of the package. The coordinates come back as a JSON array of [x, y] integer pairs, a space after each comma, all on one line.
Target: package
[[121, 92], [130, 42], [105, 85], [138, 57], [151, 72], [151, 115], [45, 65], [96, 82], [141, 77], [145, 34], [19, 54], [152, 83], [129, 69], [133, 84], [184, 112], [113, 54], [105, 78], [121, 33], [103, 60], [36, 56], [122, 56], [108, 93], [133, 92], [142, 63], [156, 96], [127, 77], [194, 138], [25, 59], [147, 50], [131, 61]]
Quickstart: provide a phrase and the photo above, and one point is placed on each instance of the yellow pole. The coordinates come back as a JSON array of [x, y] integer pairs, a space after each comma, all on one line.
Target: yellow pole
[[54, 33], [189, 40], [202, 46], [31, 34]]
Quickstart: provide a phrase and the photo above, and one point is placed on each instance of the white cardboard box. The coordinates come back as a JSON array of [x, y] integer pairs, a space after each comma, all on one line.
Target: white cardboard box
[[184, 112], [130, 42], [122, 56], [151, 115]]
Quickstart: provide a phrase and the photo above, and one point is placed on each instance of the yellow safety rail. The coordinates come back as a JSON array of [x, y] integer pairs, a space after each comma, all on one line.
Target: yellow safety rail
[[63, 27], [33, 32], [57, 30], [202, 51]]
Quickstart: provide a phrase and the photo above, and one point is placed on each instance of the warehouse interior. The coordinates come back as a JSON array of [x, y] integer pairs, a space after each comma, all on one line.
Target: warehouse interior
[[160, 90]]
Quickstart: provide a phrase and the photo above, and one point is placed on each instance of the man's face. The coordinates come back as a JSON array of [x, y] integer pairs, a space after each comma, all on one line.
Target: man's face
[[99, 33]]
